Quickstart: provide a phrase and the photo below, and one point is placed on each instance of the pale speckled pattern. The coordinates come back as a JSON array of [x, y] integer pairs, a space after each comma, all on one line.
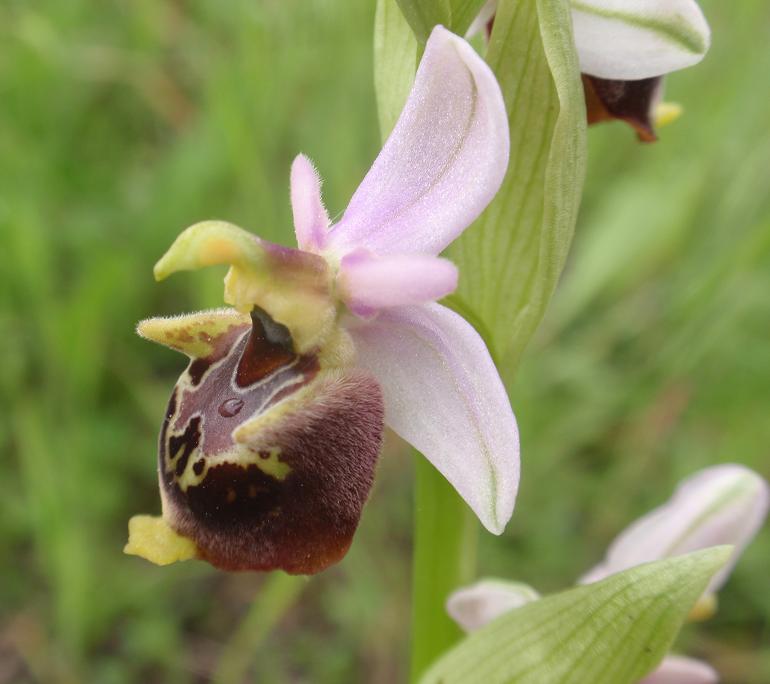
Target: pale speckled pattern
[[724, 504], [681, 670], [442, 164], [443, 394]]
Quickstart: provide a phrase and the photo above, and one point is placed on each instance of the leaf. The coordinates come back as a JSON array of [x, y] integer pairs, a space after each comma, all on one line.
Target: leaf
[[423, 15], [463, 14], [612, 632], [395, 62], [455, 15], [511, 258]]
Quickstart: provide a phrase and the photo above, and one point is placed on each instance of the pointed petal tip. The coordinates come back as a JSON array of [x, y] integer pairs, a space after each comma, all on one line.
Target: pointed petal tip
[[208, 243], [192, 334], [311, 220], [431, 362], [442, 164]]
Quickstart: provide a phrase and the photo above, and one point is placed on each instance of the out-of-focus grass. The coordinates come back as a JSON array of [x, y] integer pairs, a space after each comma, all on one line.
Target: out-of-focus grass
[[122, 123]]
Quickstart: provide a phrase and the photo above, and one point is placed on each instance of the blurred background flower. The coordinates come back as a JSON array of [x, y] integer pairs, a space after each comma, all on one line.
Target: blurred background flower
[[121, 124]]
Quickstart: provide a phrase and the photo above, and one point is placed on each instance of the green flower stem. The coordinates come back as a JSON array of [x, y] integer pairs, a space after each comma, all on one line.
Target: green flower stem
[[445, 540]]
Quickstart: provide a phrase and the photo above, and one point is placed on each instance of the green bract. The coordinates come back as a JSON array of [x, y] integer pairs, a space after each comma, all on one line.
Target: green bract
[[512, 258], [611, 632]]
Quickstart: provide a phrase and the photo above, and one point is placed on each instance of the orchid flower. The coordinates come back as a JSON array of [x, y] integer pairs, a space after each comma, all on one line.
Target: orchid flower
[[625, 47], [724, 504], [272, 434]]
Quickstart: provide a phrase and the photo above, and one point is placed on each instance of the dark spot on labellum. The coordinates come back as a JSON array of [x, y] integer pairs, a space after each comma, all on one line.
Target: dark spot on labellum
[[230, 407], [198, 466], [222, 345], [188, 442], [197, 369], [268, 348], [170, 412]]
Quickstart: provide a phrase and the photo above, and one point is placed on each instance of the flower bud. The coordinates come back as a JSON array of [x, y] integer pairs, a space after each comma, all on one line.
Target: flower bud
[[724, 504], [474, 606]]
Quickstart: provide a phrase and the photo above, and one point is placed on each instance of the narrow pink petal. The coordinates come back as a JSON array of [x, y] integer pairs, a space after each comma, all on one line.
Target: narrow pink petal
[[311, 221], [443, 395], [441, 165], [724, 504], [681, 670], [367, 282]]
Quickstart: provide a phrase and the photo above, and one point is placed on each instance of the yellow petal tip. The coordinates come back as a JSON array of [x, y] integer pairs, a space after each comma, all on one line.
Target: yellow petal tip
[[151, 538]]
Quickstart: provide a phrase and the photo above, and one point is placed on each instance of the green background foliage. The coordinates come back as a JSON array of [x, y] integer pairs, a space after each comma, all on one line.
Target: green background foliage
[[122, 123]]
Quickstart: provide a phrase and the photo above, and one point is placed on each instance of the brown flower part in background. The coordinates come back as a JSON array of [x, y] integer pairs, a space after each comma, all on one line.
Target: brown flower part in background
[[631, 101]]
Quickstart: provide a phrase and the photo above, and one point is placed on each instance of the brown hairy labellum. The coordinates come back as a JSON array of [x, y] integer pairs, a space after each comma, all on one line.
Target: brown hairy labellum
[[266, 456]]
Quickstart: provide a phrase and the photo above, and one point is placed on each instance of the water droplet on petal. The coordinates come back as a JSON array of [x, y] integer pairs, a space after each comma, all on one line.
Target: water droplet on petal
[[230, 407]]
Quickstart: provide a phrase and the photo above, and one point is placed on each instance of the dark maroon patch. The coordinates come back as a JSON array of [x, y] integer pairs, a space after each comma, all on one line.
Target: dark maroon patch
[[629, 101], [268, 348], [188, 442], [222, 345]]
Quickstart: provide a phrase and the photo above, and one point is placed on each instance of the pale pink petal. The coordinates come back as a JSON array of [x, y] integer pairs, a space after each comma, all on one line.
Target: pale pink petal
[[441, 165], [367, 282], [681, 670], [311, 222], [443, 395], [724, 504], [474, 606]]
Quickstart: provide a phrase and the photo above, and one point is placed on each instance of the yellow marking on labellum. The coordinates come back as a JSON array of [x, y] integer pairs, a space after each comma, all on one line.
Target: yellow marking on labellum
[[270, 463], [150, 537], [267, 460]]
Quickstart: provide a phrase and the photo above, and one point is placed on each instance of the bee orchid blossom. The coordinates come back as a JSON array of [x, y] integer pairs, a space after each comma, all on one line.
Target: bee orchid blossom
[[272, 434], [724, 504], [625, 47]]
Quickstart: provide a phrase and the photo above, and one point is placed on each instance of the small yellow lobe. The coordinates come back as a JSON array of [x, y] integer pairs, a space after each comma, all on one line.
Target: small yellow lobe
[[666, 113], [151, 538], [704, 609]]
